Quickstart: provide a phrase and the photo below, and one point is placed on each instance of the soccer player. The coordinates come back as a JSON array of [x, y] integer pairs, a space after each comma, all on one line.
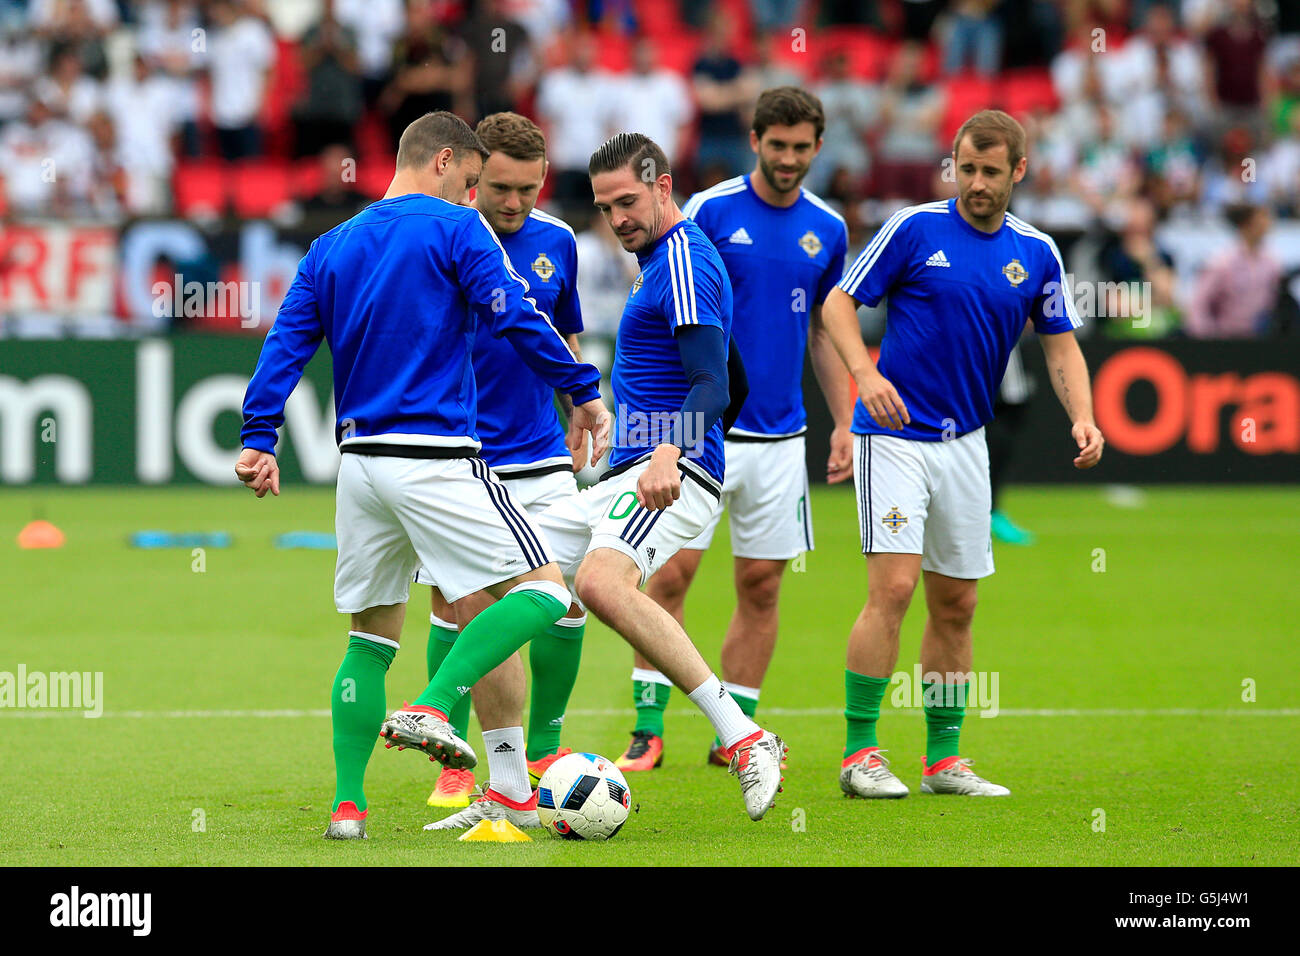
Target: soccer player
[[677, 383], [784, 251], [962, 276], [397, 292], [524, 442]]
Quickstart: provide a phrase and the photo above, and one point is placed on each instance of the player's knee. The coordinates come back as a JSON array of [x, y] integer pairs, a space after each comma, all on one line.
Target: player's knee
[[955, 609], [596, 586], [668, 585], [892, 597], [759, 587]]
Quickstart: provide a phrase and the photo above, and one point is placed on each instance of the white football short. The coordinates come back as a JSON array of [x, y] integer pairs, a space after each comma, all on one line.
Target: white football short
[[930, 498], [533, 493], [607, 515], [765, 494], [450, 515]]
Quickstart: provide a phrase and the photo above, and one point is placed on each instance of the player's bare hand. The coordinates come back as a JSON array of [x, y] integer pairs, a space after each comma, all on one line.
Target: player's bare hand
[[839, 465], [1088, 437], [594, 418], [661, 483], [883, 403], [576, 441], [259, 471]]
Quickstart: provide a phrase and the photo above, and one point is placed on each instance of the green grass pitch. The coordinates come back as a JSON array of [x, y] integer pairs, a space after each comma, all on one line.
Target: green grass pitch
[[1121, 693]]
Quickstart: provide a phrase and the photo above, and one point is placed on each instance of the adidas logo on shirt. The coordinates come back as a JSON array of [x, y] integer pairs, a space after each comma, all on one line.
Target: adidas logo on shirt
[[938, 259], [740, 238]]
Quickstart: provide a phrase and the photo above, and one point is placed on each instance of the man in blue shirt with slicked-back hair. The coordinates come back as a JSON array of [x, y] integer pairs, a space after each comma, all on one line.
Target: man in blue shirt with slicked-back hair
[[400, 292], [678, 383]]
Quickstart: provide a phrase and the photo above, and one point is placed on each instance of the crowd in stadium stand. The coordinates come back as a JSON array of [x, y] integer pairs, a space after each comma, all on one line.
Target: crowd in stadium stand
[[1139, 112]]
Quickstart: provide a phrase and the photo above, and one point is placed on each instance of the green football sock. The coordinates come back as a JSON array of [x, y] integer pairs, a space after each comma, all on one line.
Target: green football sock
[[488, 640], [357, 709], [748, 706], [650, 698], [440, 641], [945, 706], [553, 660], [862, 695]]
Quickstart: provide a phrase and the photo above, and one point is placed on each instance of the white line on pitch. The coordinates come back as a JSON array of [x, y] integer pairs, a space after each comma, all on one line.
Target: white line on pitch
[[617, 712]]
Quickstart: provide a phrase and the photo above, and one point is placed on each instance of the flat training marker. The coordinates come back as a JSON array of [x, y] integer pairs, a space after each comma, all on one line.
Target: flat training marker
[[40, 534], [495, 831]]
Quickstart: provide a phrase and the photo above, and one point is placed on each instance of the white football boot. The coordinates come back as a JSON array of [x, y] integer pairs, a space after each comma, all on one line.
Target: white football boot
[[866, 774], [347, 823], [491, 806], [953, 775], [756, 761], [434, 736]]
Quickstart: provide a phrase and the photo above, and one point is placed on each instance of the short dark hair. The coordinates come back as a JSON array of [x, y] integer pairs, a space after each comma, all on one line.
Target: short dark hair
[[1239, 215], [630, 149], [429, 135], [516, 136], [988, 128], [788, 106]]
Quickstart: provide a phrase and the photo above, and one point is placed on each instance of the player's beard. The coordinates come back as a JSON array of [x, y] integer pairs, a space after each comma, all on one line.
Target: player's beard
[[769, 174], [651, 230], [990, 211]]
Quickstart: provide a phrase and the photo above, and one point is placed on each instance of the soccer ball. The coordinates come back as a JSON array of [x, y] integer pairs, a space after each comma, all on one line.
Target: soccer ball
[[583, 797]]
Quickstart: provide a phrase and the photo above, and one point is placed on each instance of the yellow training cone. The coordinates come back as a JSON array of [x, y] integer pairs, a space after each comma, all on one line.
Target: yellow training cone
[[40, 534], [496, 831]]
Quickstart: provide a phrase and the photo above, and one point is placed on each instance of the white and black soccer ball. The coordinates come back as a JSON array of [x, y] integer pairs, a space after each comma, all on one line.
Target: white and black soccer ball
[[583, 797]]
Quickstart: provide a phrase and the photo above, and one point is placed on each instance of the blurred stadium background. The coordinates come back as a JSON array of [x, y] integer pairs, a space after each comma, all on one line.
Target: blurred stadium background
[[164, 164]]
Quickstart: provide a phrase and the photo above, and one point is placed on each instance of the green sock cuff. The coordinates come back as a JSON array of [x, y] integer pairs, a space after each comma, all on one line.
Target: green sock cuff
[[567, 632], [862, 697], [447, 635], [380, 652], [748, 705], [650, 699]]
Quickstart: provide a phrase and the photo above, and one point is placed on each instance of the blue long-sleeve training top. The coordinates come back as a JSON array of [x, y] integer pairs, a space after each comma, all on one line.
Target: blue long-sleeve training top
[[398, 292]]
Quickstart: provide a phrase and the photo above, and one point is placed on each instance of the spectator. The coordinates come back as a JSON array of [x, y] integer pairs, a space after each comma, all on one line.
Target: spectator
[[1174, 164], [1140, 277], [724, 92], [504, 66], [771, 71], [1234, 175], [241, 51], [1286, 101], [769, 15], [1107, 172], [573, 106], [652, 100], [1237, 68], [81, 24], [376, 24], [1284, 169], [167, 40], [908, 123], [1236, 292], [106, 195], [143, 110], [431, 72], [332, 105], [45, 164], [338, 198], [850, 105], [69, 93], [974, 37], [20, 66]]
